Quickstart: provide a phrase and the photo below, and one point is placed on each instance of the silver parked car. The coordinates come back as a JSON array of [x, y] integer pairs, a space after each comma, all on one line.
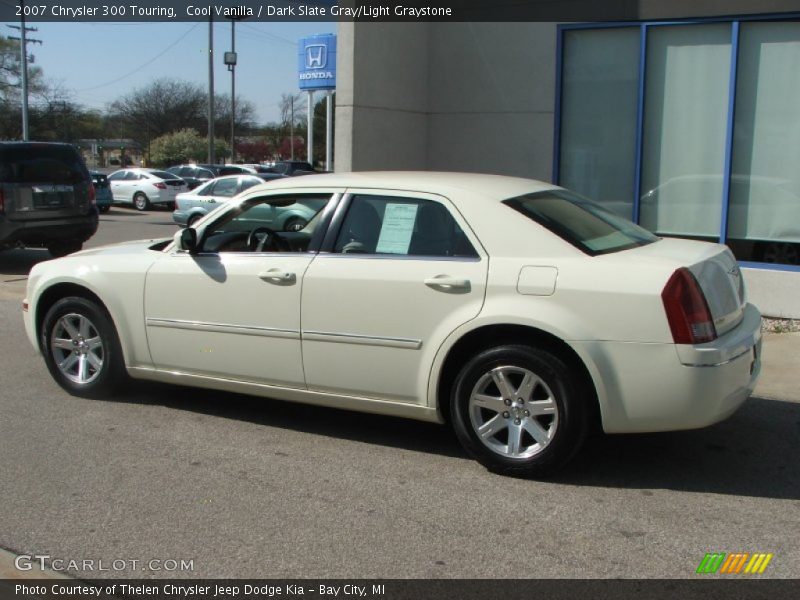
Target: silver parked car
[[191, 206], [145, 187]]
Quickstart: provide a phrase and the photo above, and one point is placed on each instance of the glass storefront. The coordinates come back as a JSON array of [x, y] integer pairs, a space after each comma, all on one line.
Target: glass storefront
[[690, 129]]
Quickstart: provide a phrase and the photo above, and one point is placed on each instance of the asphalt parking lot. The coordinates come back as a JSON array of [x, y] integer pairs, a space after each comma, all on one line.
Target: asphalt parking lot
[[246, 487]]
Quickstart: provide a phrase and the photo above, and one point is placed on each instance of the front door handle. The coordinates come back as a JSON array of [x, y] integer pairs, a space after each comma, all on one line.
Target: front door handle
[[278, 276], [445, 283]]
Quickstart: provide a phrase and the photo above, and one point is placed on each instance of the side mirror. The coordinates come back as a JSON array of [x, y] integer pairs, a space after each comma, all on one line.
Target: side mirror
[[188, 240]]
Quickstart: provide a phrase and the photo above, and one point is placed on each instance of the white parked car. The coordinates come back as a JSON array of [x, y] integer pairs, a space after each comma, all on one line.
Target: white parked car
[[145, 187], [517, 311]]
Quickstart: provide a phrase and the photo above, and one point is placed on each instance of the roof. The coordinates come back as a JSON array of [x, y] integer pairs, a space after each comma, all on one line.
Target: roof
[[443, 183]]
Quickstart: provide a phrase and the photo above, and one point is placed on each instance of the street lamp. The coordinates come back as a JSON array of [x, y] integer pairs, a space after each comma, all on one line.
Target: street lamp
[[230, 62]]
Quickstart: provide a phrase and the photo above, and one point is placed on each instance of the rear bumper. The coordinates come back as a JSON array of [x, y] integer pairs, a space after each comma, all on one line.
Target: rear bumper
[[42, 232], [664, 387]]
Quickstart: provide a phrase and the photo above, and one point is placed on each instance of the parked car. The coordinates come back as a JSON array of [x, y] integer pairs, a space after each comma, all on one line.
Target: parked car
[[192, 206], [46, 197], [289, 167], [102, 190], [193, 175], [386, 303], [145, 187]]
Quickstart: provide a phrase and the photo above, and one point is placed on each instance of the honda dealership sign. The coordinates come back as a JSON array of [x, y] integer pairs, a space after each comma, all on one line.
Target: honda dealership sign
[[317, 62]]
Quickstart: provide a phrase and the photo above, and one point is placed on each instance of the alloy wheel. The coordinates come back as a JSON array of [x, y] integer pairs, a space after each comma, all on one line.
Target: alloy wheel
[[513, 412]]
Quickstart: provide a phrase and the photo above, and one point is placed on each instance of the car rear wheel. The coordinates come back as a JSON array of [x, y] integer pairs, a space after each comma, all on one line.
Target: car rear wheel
[[81, 348], [519, 411], [141, 201]]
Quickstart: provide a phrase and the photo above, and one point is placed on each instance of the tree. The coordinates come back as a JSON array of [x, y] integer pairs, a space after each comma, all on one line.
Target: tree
[[253, 151], [245, 116], [11, 88], [184, 146], [160, 108]]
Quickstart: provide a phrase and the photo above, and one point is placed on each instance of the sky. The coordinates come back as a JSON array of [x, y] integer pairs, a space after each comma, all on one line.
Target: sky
[[99, 62]]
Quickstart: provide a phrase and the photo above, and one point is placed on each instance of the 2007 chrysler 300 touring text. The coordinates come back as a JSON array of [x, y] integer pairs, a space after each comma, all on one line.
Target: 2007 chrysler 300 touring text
[[516, 310]]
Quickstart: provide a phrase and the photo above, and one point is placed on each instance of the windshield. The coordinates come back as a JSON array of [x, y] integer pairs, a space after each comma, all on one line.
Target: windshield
[[583, 223]]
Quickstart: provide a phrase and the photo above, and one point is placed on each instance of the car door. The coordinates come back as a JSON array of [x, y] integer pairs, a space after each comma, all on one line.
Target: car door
[[226, 311], [117, 183], [403, 272]]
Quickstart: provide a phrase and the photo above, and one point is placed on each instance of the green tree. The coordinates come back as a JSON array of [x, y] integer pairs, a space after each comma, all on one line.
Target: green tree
[[185, 145]]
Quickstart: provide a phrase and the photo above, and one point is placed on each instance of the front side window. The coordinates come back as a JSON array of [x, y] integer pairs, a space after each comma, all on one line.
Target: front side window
[[260, 226], [403, 226], [585, 224]]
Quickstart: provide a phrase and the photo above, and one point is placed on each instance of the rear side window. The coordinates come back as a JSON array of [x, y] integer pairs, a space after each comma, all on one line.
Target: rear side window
[[42, 164], [585, 224], [403, 226]]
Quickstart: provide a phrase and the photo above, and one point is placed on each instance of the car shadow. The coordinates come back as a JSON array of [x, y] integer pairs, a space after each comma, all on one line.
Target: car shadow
[[754, 453], [18, 262], [367, 428]]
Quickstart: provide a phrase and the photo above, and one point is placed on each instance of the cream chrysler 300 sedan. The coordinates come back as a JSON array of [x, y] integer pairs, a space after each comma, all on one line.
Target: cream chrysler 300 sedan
[[516, 310]]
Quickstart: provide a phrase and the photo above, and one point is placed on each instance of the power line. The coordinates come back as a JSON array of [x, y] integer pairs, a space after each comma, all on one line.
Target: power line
[[140, 67]]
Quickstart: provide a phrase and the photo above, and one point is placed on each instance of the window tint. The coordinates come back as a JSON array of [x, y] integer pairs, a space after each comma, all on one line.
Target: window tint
[[404, 226], [131, 176], [117, 176], [42, 164], [581, 222]]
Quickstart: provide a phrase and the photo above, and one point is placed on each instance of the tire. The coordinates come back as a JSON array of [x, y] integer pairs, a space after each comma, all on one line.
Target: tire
[[141, 201], [105, 209], [81, 348], [513, 393], [59, 249], [294, 224]]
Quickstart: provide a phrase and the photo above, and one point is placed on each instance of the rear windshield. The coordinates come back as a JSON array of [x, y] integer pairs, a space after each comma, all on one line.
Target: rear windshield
[[42, 164], [162, 175], [583, 223]]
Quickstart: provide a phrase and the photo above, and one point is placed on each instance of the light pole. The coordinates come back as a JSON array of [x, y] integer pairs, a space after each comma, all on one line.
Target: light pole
[[230, 61]]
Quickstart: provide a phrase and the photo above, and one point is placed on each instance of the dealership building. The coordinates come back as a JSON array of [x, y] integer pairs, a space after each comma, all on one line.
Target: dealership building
[[685, 117]]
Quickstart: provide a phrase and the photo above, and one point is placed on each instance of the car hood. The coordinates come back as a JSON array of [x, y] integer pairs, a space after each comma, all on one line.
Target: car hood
[[132, 247]]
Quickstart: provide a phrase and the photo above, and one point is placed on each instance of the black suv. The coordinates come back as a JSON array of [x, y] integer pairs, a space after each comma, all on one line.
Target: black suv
[[46, 197]]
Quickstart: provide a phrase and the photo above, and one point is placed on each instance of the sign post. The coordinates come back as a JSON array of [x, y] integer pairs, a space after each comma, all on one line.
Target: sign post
[[317, 71]]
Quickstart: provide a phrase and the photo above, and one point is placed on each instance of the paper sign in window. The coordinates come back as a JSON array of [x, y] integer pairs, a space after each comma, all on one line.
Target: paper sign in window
[[397, 228]]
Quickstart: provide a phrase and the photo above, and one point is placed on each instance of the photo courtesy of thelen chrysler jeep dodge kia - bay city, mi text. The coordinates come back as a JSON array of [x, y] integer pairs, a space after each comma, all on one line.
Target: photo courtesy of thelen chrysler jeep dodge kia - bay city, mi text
[[517, 311]]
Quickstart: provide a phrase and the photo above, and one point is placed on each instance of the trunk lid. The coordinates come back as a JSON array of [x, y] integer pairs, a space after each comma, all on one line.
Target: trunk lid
[[716, 271]]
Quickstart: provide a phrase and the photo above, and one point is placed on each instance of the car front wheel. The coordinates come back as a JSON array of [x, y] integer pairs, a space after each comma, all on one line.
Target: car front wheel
[[81, 348], [518, 411]]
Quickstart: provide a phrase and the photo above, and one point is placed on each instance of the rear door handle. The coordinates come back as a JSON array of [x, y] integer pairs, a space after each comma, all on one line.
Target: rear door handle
[[446, 283], [278, 276]]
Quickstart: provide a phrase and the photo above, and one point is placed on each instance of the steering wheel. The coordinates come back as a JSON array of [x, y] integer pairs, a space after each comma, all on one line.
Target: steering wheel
[[263, 239]]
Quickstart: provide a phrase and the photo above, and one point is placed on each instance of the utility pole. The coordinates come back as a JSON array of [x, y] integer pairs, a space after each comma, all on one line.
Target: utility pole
[[291, 128], [23, 48]]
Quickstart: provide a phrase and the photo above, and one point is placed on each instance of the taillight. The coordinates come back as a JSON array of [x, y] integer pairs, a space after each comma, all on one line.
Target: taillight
[[161, 186], [92, 194], [687, 310], [2, 201]]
